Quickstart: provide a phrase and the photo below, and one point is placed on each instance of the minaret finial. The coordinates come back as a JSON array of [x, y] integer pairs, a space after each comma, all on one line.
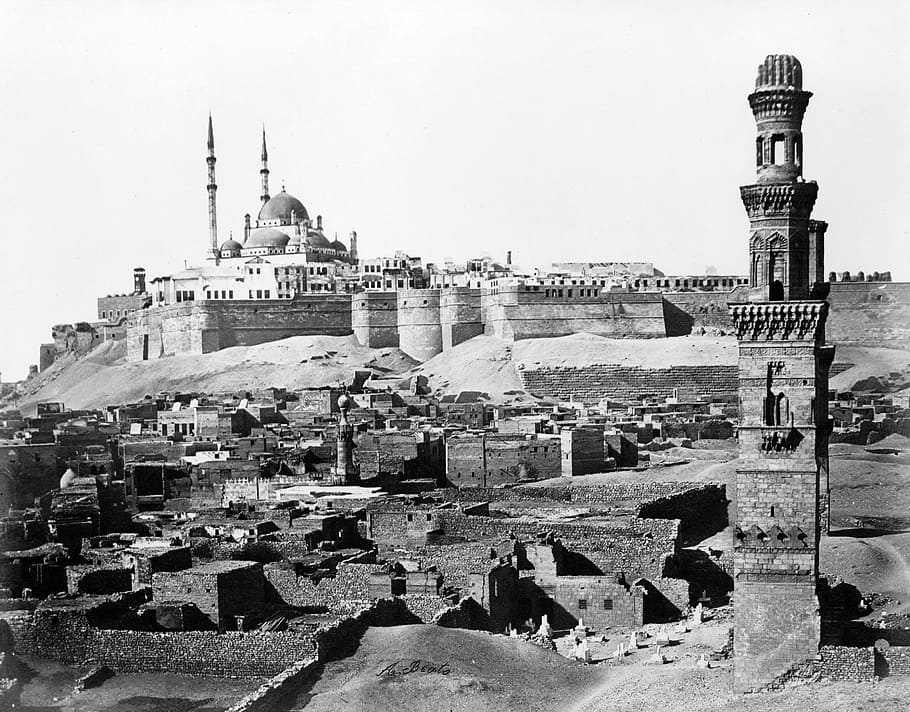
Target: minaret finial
[[211, 141], [264, 171]]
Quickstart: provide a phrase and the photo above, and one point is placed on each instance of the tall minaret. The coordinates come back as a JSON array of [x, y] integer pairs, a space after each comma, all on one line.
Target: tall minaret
[[344, 472], [264, 171], [782, 471], [785, 247], [211, 188]]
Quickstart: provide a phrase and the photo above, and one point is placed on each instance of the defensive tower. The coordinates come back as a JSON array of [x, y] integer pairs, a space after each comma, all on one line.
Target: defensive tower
[[783, 392]]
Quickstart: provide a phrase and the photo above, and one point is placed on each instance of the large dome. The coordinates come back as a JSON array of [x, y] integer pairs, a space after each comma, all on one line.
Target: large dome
[[281, 206], [267, 237]]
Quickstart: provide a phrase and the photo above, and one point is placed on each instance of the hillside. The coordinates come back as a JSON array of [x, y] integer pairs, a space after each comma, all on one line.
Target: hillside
[[104, 376], [492, 365], [484, 364]]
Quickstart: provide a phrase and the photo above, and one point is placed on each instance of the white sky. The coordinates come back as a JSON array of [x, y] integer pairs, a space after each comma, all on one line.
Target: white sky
[[560, 130]]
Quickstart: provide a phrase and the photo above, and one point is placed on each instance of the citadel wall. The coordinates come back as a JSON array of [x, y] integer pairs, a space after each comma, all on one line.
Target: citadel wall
[[424, 322], [536, 311], [374, 319], [203, 327], [460, 314], [419, 323]]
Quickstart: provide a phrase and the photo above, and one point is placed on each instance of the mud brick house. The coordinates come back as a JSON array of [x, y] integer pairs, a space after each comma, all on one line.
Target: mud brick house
[[225, 591]]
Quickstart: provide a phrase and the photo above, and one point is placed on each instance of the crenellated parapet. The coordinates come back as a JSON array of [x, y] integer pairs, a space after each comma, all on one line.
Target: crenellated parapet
[[779, 321]]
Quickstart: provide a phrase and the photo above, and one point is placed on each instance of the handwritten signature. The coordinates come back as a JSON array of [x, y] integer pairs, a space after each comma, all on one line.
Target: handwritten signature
[[407, 667]]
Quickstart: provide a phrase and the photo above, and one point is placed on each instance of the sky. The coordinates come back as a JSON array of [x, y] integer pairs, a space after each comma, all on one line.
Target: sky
[[570, 130]]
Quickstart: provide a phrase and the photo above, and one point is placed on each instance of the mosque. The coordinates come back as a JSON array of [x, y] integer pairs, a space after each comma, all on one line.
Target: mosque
[[283, 253]]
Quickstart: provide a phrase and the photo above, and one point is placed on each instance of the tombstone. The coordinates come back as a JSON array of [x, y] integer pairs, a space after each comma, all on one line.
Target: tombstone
[[581, 629], [512, 632], [681, 628], [583, 652], [546, 630], [633, 640], [704, 661], [658, 657], [698, 616], [663, 638]]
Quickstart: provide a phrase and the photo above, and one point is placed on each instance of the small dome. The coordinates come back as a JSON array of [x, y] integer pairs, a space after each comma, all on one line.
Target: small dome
[[344, 401], [67, 479], [338, 245], [317, 239], [280, 208], [780, 71], [231, 246], [267, 237]]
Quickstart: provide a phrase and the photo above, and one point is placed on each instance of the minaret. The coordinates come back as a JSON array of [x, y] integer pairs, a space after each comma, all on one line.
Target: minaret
[[783, 394], [264, 171], [211, 188], [785, 247], [352, 251], [344, 472]]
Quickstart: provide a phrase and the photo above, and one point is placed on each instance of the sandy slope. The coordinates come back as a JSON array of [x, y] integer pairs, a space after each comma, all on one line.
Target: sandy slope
[[104, 376]]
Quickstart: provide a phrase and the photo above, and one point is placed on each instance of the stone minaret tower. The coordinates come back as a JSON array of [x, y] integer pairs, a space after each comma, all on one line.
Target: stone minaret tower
[[264, 171], [786, 248], [344, 472], [783, 394], [212, 188]]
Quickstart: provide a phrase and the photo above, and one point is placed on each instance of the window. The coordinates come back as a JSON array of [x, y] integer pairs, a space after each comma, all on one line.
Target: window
[[608, 604], [410, 517], [231, 294], [429, 517], [266, 293], [258, 294], [582, 604]]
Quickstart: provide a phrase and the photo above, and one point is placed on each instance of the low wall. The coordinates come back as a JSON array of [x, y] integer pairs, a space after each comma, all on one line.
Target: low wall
[[896, 660], [278, 689], [624, 383]]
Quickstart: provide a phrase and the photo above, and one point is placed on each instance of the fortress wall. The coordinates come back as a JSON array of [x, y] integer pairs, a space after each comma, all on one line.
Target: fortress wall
[[869, 313], [460, 315], [374, 318], [203, 327], [517, 314], [591, 383], [684, 312], [419, 325], [861, 312]]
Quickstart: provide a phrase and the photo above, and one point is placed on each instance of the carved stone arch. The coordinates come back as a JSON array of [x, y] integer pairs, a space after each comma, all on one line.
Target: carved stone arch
[[756, 243], [776, 241]]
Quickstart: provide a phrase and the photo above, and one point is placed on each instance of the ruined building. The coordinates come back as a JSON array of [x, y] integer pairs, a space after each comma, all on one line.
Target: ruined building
[[783, 382]]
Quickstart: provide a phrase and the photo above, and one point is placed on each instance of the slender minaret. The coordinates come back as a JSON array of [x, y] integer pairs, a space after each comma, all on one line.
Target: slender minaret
[[211, 188], [345, 472], [264, 171], [782, 471], [352, 251]]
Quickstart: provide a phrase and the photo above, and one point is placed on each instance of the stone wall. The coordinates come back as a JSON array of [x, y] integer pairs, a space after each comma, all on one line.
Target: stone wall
[[276, 691], [70, 639], [896, 660], [374, 319], [591, 383], [460, 315], [204, 326], [537, 311], [419, 325]]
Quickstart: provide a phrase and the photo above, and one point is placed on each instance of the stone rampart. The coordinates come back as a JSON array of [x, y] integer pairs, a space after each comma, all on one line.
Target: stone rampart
[[374, 319], [538, 311], [460, 315], [200, 327], [419, 325], [591, 383], [276, 690]]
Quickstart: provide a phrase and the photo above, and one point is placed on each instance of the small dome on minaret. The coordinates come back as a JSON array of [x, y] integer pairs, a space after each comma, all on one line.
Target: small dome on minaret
[[344, 402], [780, 71]]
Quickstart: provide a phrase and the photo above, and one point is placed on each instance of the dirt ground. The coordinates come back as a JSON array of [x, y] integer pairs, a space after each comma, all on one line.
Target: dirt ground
[[51, 689]]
